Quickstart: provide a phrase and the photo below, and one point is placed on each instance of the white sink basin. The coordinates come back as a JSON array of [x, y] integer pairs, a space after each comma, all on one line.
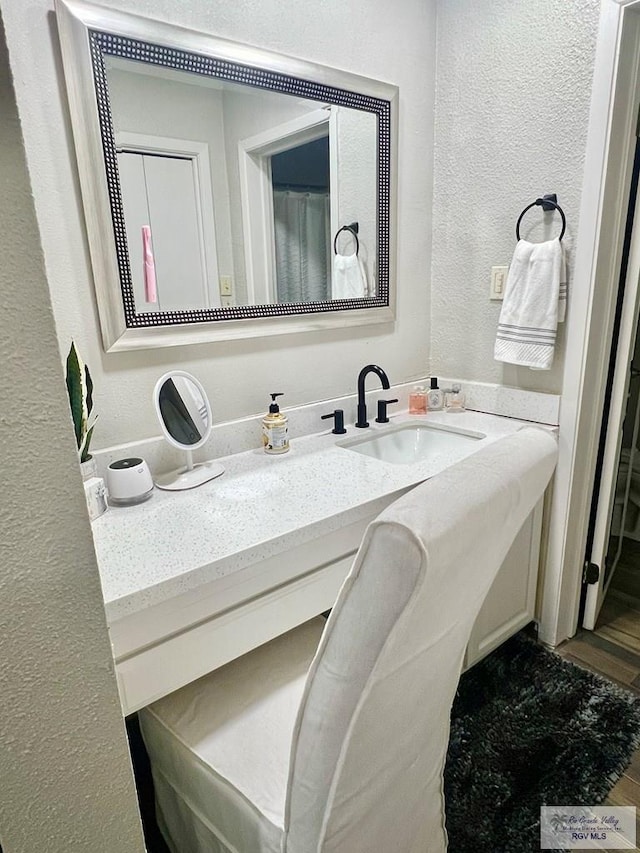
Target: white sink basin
[[412, 442]]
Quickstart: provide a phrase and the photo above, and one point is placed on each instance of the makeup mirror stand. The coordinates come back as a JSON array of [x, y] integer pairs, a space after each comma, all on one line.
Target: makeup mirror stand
[[194, 474], [186, 419]]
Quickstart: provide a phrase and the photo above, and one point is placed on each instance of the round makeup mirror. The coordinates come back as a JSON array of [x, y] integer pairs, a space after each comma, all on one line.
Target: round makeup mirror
[[185, 416]]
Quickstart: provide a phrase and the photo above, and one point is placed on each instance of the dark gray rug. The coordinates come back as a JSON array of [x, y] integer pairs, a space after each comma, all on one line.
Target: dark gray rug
[[529, 729]]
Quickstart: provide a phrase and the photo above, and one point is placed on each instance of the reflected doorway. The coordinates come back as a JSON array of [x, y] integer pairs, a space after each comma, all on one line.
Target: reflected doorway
[[300, 179]]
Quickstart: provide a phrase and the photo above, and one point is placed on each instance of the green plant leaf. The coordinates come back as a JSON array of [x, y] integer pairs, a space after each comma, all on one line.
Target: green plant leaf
[[89, 384], [84, 455], [74, 389]]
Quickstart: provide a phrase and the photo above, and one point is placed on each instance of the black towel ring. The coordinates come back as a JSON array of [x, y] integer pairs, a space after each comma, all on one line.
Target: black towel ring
[[353, 230], [547, 202]]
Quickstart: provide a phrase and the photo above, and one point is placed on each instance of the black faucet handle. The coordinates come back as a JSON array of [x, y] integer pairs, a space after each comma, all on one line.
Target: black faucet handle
[[382, 411], [338, 419]]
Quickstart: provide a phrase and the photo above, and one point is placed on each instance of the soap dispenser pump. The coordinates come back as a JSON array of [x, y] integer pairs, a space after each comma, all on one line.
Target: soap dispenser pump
[[275, 428]]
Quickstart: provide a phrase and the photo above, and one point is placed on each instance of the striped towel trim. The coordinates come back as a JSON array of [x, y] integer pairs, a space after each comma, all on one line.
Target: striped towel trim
[[526, 354], [526, 335]]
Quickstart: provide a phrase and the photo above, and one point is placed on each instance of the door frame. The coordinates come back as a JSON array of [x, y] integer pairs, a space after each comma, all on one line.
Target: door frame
[[256, 193], [198, 153], [603, 209]]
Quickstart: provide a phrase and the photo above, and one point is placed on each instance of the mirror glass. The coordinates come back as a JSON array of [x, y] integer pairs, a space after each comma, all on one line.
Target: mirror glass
[[184, 410], [185, 415], [232, 195]]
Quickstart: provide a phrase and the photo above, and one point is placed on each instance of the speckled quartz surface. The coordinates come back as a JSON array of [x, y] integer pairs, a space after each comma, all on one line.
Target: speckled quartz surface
[[260, 507]]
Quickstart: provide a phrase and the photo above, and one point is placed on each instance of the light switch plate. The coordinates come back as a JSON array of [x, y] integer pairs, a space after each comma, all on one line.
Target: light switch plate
[[498, 282], [226, 285]]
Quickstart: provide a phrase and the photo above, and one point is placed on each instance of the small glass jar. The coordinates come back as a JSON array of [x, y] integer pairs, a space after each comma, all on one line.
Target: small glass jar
[[418, 401], [454, 400]]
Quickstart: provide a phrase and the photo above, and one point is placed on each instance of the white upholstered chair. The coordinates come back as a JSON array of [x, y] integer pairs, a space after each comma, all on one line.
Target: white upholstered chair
[[333, 737]]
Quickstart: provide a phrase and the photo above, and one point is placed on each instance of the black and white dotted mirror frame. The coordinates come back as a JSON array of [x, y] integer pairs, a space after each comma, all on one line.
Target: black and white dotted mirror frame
[[102, 43]]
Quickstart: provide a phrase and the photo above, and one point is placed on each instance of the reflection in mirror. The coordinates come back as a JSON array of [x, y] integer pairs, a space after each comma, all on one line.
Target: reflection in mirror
[[229, 170], [184, 195], [241, 208], [300, 178], [185, 416]]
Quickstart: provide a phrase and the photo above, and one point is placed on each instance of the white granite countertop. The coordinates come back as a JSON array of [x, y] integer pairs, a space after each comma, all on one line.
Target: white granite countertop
[[261, 506]]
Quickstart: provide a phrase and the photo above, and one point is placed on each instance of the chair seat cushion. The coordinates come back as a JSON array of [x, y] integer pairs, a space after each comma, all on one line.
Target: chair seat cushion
[[220, 747]]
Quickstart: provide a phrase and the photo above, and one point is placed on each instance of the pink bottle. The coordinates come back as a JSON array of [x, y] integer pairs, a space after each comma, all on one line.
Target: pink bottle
[[418, 401]]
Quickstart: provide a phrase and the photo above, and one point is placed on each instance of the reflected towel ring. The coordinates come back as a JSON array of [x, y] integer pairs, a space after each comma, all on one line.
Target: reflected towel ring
[[353, 230], [547, 202]]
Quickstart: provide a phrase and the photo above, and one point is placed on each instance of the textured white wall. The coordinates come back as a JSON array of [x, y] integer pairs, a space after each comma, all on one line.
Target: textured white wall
[[66, 782], [362, 36], [512, 101]]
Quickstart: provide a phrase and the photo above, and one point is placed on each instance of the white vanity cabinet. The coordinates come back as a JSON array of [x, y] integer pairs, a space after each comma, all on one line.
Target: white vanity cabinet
[[193, 580], [511, 602], [173, 643], [170, 644]]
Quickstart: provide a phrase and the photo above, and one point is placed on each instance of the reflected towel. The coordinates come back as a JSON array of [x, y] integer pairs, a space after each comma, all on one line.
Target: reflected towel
[[349, 278], [150, 289], [534, 303]]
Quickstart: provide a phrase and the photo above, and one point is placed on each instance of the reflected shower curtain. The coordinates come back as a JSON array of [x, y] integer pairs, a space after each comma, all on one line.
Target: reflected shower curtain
[[303, 246]]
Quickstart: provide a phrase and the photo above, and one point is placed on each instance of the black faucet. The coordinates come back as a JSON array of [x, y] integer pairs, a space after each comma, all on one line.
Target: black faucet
[[362, 406]]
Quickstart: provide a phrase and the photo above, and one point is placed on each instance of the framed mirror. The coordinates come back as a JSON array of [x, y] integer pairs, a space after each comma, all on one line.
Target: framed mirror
[[228, 191]]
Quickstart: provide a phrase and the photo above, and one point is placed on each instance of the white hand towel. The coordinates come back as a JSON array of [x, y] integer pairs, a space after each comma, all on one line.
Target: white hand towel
[[534, 303], [349, 278]]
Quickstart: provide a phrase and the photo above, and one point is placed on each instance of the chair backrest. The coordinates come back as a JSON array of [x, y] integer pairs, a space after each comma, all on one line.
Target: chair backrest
[[373, 727]]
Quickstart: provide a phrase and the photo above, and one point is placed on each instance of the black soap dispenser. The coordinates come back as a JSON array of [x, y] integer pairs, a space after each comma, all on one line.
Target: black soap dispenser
[[275, 428]]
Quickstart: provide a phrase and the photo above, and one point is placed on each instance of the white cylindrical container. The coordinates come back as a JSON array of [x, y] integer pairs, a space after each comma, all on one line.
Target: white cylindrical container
[[129, 481]]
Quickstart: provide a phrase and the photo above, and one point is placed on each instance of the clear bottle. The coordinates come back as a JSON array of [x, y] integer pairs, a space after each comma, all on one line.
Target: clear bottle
[[435, 400], [418, 401], [275, 429], [454, 401]]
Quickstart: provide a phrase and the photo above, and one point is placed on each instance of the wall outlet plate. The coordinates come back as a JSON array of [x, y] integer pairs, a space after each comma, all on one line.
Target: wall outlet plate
[[498, 282]]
